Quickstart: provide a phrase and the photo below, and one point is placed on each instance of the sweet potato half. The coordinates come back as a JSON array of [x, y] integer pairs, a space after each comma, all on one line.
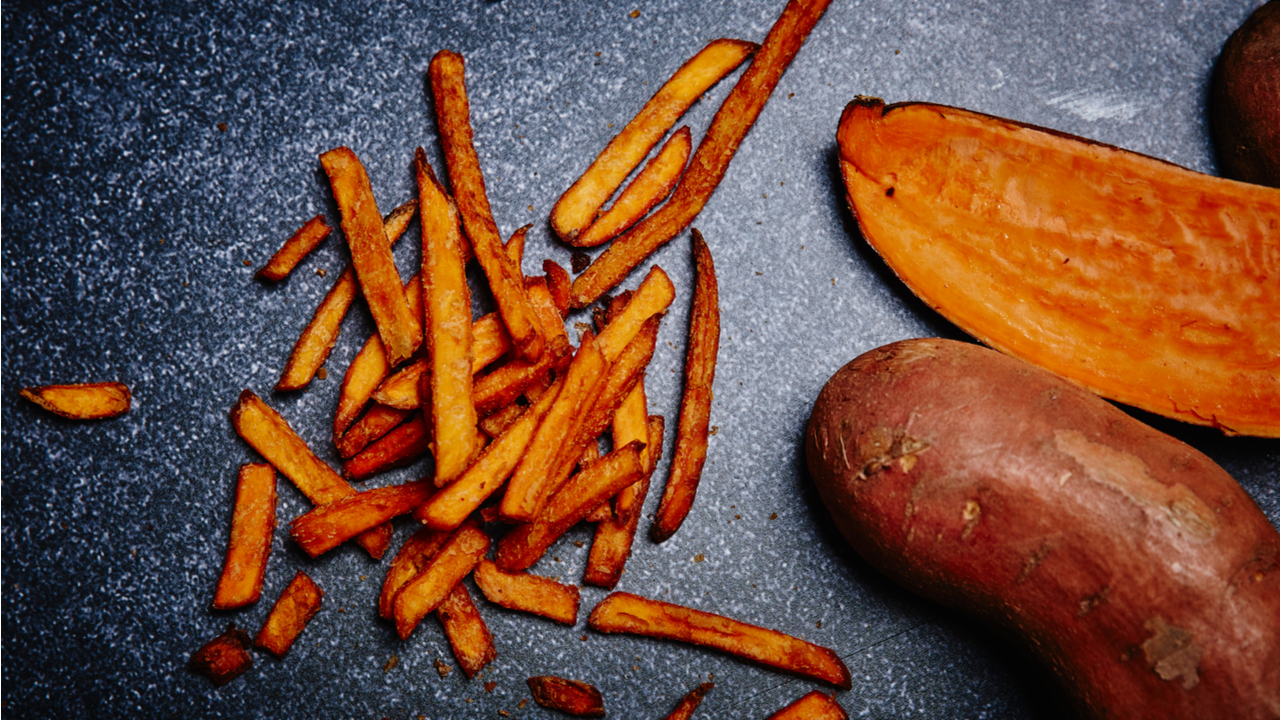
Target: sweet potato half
[[1145, 282], [1138, 570]]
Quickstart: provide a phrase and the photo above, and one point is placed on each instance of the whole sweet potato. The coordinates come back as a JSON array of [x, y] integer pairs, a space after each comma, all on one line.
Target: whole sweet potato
[[1136, 568]]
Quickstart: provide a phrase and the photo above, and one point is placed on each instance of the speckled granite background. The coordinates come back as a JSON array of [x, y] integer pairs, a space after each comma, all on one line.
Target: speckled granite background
[[131, 220]]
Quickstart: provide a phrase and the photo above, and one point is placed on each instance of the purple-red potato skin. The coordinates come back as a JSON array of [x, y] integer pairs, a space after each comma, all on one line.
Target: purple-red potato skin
[[1244, 100], [1135, 568]]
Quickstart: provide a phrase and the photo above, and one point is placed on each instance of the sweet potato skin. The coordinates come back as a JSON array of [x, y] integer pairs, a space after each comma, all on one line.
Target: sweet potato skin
[[1138, 570]]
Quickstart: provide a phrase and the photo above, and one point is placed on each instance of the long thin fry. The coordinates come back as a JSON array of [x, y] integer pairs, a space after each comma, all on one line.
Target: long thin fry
[[467, 632], [311, 234], [413, 555], [632, 422], [429, 588], [328, 526], [400, 390], [528, 593], [402, 445], [611, 545], [654, 296], [376, 423], [515, 245], [651, 186], [813, 706], [706, 169], [252, 523], [299, 602]]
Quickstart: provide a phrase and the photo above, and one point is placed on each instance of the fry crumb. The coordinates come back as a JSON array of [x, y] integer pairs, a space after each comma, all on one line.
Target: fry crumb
[[222, 127], [635, 13], [715, 429], [489, 686], [578, 543], [247, 263], [584, 638], [391, 663], [442, 668], [773, 516], [523, 702], [321, 272], [579, 261], [324, 374], [790, 95], [698, 558], [504, 713]]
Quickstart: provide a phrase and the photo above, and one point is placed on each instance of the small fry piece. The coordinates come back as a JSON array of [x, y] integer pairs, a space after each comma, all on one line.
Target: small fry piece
[[399, 328], [689, 703], [414, 555], [311, 234], [695, 405], [402, 445], [268, 433], [376, 423], [428, 589], [86, 401], [577, 208], [467, 632], [225, 657], [498, 422], [528, 593], [651, 186], [624, 612], [558, 281], [453, 116], [252, 524], [813, 706], [299, 602], [515, 245], [572, 697], [706, 169], [611, 545], [328, 526]]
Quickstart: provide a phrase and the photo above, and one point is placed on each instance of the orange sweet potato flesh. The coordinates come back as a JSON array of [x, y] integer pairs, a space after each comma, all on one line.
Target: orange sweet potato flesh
[[1142, 281], [299, 602], [87, 401], [252, 523], [813, 706], [572, 697], [1136, 569]]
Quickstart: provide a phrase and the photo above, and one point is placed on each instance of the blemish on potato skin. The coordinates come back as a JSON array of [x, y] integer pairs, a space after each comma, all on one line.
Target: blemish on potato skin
[[1033, 562], [1088, 604], [971, 513], [1171, 652]]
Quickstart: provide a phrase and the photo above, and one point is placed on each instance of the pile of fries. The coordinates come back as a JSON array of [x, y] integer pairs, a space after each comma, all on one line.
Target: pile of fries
[[510, 410]]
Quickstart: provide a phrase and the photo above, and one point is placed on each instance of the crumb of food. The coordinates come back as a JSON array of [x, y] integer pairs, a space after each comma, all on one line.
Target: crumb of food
[[578, 543], [247, 263], [698, 558], [523, 702], [819, 624], [222, 127], [324, 374], [391, 663], [489, 686], [716, 428], [584, 638], [321, 272], [635, 13], [579, 261], [442, 668], [773, 516]]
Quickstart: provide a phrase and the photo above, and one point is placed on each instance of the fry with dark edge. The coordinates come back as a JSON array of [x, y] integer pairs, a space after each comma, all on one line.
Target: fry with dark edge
[[528, 593], [611, 545], [467, 632], [498, 422], [399, 328], [572, 697], [299, 602], [654, 296], [624, 612], [577, 208], [651, 186], [558, 281], [453, 116], [689, 703], [401, 388], [311, 234], [368, 368], [695, 404], [464, 549], [413, 555], [813, 706], [375, 423], [268, 433], [86, 401], [402, 445], [326, 527], [710, 161], [225, 657], [515, 245], [252, 523]]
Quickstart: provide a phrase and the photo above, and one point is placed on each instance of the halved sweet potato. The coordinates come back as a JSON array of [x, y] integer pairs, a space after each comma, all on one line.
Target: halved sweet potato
[[1142, 281]]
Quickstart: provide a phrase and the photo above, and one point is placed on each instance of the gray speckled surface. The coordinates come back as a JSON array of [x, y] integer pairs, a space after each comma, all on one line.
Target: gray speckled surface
[[128, 217]]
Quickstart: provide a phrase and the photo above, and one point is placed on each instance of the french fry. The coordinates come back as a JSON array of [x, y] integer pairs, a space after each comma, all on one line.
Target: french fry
[[225, 657], [689, 703], [311, 234], [498, 422], [86, 401], [813, 706], [528, 593], [632, 422], [627, 613], [399, 328], [654, 296], [402, 445], [695, 405], [453, 116], [707, 167], [376, 423], [401, 390], [651, 186], [515, 245], [326, 527], [299, 602], [412, 557], [549, 315], [501, 387], [464, 549], [558, 281], [572, 697], [525, 543], [252, 524], [467, 632], [268, 433], [611, 545], [577, 208]]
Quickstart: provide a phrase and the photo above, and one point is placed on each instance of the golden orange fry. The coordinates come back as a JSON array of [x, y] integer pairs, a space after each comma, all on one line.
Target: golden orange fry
[[559, 282], [627, 613], [611, 545], [87, 401], [326, 527], [253, 521], [572, 697], [706, 169], [402, 445], [498, 422], [813, 706], [376, 423], [368, 368], [311, 234], [695, 404], [399, 328], [515, 245], [225, 657], [689, 703], [413, 555], [501, 387], [528, 593], [465, 548], [632, 422], [654, 296], [453, 116], [467, 632], [401, 390], [299, 602], [577, 208], [651, 186]]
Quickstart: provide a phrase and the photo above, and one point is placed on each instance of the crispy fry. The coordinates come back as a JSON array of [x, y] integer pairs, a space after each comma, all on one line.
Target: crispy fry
[[414, 555], [572, 697], [515, 245], [368, 368], [252, 523], [376, 423], [651, 186], [558, 281], [632, 422], [695, 405], [328, 526], [689, 703], [525, 543], [654, 296], [489, 342], [577, 208], [453, 116], [399, 328], [464, 549], [468, 635], [401, 390], [544, 306], [311, 234], [268, 433], [502, 386], [225, 657], [624, 612], [706, 169], [528, 593], [299, 602], [611, 545], [401, 446], [813, 706], [498, 422], [87, 401]]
